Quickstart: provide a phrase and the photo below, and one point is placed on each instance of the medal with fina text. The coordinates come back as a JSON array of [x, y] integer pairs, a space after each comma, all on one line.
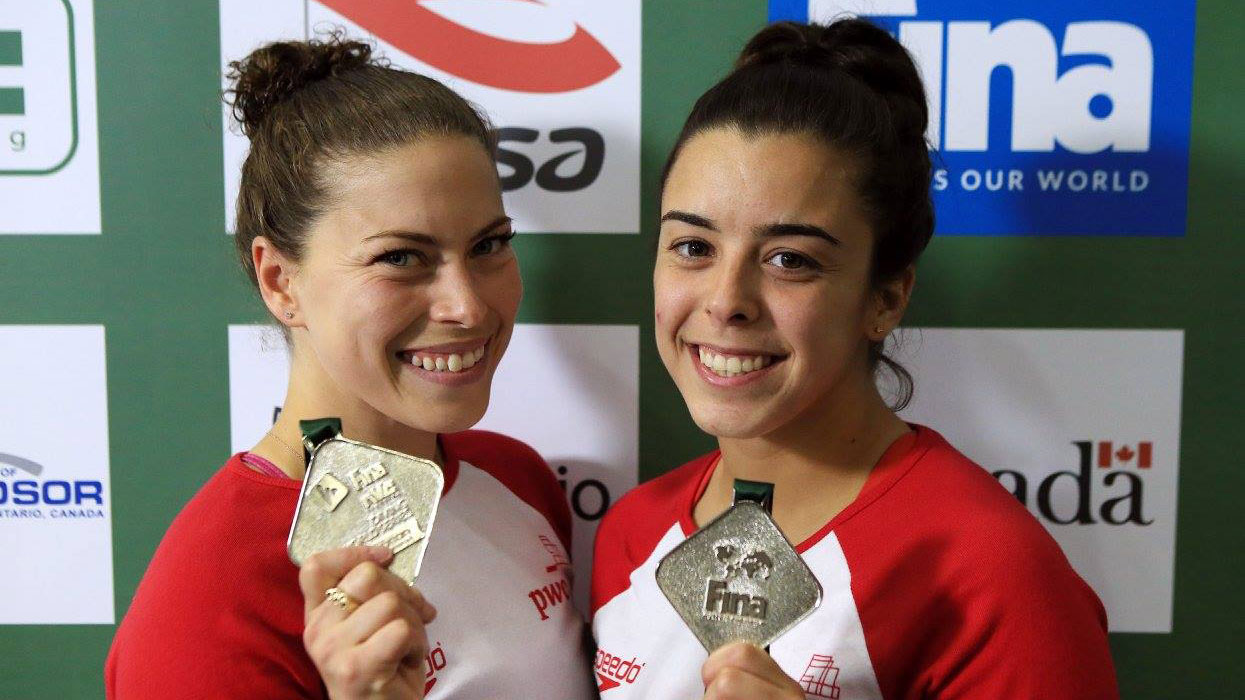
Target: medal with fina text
[[360, 494], [738, 578]]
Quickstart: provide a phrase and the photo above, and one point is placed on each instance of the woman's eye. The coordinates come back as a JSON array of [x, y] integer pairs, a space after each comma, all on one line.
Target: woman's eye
[[692, 249], [493, 244], [396, 258], [790, 261]]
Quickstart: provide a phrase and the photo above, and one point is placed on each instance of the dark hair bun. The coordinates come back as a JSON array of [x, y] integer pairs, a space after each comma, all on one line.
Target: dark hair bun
[[274, 72], [853, 46]]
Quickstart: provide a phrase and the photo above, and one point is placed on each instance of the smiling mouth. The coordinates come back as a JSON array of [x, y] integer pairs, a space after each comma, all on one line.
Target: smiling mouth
[[452, 362], [729, 364]]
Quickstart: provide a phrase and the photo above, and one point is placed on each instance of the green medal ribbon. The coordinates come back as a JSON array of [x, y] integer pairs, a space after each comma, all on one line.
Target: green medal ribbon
[[760, 492], [316, 431]]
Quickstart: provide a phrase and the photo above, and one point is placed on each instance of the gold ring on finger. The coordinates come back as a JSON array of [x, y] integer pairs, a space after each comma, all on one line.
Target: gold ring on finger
[[341, 599]]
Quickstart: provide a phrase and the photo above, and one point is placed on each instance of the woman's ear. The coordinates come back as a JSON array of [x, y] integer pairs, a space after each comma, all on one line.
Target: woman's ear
[[275, 274], [890, 300]]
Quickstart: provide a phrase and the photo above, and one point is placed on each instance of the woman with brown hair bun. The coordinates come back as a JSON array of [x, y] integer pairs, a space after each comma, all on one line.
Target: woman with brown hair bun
[[794, 206], [370, 221]]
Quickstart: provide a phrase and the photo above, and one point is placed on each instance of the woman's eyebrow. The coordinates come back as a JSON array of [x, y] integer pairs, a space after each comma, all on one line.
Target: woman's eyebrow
[[412, 236], [425, 239], [689, 218], [492, 226], [772, 230], [764, 231]]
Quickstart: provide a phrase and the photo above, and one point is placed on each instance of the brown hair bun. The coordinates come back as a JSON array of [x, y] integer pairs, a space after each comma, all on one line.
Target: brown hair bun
[[854, 47], [274, 72]]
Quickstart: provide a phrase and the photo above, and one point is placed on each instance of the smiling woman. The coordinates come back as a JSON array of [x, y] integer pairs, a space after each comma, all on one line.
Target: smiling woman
[[370, 222], [795, 204]]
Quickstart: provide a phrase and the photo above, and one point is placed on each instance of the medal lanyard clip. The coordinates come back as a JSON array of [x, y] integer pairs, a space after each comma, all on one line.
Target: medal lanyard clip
[[317, 431], [759, 492]]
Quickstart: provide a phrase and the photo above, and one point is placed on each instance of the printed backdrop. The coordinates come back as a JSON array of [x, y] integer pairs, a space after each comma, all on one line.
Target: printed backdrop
[[1073, 329]]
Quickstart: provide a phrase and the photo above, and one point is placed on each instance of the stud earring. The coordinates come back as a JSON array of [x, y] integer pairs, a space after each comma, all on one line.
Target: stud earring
[[289, 314]]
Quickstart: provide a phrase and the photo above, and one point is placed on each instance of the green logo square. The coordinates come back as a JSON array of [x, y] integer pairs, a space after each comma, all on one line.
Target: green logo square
[[38, 87]]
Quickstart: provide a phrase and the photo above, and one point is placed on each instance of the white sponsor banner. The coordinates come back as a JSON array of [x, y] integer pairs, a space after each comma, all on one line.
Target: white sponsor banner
[[570, 391], [559, 78], [1084, 425], [55, 497], [49, 142]]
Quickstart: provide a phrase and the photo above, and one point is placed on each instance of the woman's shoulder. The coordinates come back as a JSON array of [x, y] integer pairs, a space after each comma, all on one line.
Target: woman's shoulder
[[517, 466], [483, 448], [220, 572], [666, 494], [237, 506], [954, 485], [943, 496], [634, 526]]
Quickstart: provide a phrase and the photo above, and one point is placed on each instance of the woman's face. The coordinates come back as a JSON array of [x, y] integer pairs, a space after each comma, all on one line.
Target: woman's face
[[763, 305], [408, 287]]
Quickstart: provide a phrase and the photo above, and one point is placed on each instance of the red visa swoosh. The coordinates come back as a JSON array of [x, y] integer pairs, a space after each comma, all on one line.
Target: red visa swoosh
[[428, 685], [605, 682], [576, 63]]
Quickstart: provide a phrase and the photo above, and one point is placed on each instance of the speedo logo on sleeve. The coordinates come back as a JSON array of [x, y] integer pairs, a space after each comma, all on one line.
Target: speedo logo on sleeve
[[1050, 116], [613, 671]]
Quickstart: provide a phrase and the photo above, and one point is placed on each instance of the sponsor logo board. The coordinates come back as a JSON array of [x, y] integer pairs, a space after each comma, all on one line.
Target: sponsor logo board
[[55, 497], [1049, 117], [49, 150], [569, 391], [1083, 426], [560, 79]]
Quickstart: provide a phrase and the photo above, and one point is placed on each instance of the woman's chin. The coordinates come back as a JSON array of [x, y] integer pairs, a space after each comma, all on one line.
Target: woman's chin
[[729, 424], [447, 419]]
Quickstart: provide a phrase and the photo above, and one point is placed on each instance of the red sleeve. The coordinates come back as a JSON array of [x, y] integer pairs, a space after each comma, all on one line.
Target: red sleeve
[[520, 469], [1030, 628], [963, 595], [218, 613]]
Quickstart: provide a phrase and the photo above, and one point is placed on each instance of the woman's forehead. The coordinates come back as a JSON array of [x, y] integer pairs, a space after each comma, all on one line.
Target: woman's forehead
[[745, 180]]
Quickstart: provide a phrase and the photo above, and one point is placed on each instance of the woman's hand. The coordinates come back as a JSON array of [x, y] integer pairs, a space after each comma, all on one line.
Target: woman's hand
[[742, 671], [376, 650]]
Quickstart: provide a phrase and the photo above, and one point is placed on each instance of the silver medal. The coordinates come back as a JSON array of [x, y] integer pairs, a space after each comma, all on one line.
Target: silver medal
[[360, 494], [738, 579]]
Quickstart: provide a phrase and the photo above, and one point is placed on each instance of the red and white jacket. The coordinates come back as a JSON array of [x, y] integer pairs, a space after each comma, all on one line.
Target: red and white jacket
[[937, 584], [219, 613]]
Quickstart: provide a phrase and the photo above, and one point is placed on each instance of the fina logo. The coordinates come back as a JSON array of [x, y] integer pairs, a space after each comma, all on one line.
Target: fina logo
[[30, 498], [1050, 117]]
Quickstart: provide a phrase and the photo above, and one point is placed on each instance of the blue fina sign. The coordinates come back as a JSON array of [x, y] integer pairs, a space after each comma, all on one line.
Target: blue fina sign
[[1050, 117]]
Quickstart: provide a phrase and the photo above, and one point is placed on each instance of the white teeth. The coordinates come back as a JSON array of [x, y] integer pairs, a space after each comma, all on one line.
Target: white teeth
[[731, 366], [454, 362]]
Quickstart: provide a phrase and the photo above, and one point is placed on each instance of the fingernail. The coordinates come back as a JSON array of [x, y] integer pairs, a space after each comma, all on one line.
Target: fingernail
[[381, 553]]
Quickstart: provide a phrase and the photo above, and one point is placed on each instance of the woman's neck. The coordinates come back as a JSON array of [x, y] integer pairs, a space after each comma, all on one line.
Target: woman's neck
[[817, 462], [311, 396]]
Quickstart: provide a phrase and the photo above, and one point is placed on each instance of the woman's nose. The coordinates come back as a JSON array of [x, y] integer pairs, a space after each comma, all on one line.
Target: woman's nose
[[456, 299], [734, 295]]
